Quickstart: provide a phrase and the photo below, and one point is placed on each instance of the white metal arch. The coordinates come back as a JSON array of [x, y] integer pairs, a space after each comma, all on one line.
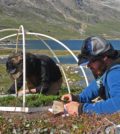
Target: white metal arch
[[9, 29]]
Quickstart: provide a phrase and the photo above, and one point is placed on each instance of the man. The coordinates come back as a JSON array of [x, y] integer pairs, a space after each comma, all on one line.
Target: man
[[42, 74], [104, 62]]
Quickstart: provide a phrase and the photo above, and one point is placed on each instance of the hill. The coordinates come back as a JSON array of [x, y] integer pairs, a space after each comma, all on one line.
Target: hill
[[63, 19]]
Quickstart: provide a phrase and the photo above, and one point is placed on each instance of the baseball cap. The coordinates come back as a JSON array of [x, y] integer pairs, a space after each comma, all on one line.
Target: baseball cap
[[93, 47]]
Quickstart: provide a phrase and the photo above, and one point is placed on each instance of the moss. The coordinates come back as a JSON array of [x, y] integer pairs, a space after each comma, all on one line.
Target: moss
[[34, 100], [39, 100]]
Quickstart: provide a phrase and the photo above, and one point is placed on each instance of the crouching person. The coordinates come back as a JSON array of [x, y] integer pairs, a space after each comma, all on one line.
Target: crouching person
[[104, 62], [42, 74]]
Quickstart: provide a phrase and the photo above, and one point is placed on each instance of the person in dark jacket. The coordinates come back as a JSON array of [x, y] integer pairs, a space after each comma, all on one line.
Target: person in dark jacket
[[42, 74], [99, 55]]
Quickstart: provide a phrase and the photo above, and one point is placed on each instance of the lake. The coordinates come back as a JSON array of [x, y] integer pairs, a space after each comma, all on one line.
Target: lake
[[71, 44]]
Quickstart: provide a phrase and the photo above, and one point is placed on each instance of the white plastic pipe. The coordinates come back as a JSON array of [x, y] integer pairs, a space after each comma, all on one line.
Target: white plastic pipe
[[9, 29], [9, 36], [24, 63]]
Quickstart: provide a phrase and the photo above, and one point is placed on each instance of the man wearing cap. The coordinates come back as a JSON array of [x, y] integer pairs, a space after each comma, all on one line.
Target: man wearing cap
[[99, 55]]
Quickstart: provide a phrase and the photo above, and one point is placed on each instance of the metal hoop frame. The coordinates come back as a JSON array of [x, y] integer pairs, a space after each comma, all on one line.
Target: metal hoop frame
[[22, 32]]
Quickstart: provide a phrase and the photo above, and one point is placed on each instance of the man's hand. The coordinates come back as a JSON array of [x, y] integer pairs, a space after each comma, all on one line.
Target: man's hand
[[27, 91], [66, 97], [73, 108], [70, 97], [21, 92]]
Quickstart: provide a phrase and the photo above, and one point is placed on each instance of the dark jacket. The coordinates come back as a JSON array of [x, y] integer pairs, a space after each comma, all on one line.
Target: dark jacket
[[41, 70]]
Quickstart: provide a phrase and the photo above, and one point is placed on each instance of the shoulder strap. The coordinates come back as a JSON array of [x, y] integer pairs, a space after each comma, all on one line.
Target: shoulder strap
[[101, 86]]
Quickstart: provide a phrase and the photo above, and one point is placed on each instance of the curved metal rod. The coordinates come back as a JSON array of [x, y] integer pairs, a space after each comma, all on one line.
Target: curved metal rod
[[9, 36], [58, 63], [84, 74], [9, 29]]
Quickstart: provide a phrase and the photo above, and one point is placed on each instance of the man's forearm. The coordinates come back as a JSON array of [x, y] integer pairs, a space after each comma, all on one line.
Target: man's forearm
[[32, 90]]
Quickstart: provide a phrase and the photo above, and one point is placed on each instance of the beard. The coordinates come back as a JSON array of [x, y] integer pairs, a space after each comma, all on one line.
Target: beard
[[100, 70]]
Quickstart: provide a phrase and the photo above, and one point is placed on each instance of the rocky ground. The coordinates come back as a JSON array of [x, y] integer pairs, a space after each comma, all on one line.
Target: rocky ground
[[47, 123]]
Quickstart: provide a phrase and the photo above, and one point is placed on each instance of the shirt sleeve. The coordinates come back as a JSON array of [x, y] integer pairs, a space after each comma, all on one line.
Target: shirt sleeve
[[112, 104], [89, 93]]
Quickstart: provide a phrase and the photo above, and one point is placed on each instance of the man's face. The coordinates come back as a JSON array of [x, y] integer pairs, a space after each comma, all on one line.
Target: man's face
[[98, 67]]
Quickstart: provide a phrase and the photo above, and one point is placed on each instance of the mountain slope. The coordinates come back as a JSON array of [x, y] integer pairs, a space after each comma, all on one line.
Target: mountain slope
[[63, 18]]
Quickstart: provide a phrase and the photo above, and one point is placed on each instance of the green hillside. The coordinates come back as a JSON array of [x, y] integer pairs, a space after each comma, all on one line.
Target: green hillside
[[62, 19]]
